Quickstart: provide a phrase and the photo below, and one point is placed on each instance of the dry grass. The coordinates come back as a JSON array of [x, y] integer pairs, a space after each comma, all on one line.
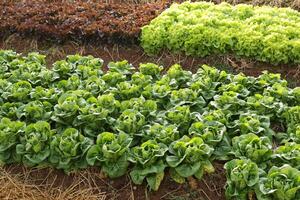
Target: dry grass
[[19, 183]]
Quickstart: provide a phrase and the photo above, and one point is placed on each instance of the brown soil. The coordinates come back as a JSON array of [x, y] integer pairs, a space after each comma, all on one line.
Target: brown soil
[[79, 20], [135, 55], [18, 182]]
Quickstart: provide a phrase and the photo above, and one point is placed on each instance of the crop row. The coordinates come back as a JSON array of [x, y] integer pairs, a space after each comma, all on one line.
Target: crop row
[[200, 29], [79, 20], [145, 122]]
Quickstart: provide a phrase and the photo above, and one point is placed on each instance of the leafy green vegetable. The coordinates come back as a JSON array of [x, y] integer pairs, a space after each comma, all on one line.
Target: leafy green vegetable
[[9, 138], [149, 163], [153, 120], [110, 152], [34, 148], [35, 111], [242, 177], [189, 157], [287, 154], [252, 123], [229, 29], [280, 183], [151, 69], [122, 67], [130, 122], [68, 150], [250, 146], [165, 134], [211, 132]]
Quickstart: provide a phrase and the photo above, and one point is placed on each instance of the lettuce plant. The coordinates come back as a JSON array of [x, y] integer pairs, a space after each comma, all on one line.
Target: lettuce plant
[[149, 163], [130, 122], [113, 78], [111, 153], [267, 79], [162, 133], [242, 178], [10, 131], [146, 107], [189, 157], [212, 132], [278, 91], [20, 91], [181, 116], [216, 76], [205, 86], [293, 133], [151, 69], [230, 102], [63, 69], [187, 97], [235, 87], [94, 85], [91, 117], [68, 150], [250, 146], [126, 90], [142, 80], [287, 154], [122, 67], [4, 89], [295, 94], [68, 105], [109, 102], [35, 111], [10, 110], [292, 115], [34, 147], [251, 123], [280, 183], [265, 105], [177, 77], [40, 93]]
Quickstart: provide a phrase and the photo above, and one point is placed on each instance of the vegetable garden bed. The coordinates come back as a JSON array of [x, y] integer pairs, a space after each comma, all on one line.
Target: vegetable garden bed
[[78, 20], [78, 127], [147, 124], [201, 29]]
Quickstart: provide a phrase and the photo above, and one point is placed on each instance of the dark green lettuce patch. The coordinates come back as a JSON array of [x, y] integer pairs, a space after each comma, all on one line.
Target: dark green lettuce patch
[[144, 123]]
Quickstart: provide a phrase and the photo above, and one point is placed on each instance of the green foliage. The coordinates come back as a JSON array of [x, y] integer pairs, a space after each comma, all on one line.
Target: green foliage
[[150, 164], [280, 183], [34, 148], [150, 122], [250, 146], [189, 157], [111, 153], [242, 177], [287, 154], [9, 138], [263, 33], [68, 150]]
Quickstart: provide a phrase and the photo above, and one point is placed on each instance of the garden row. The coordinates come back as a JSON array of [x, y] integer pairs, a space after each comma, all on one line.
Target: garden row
[[79, 20], [200, 29], [146, 123]]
